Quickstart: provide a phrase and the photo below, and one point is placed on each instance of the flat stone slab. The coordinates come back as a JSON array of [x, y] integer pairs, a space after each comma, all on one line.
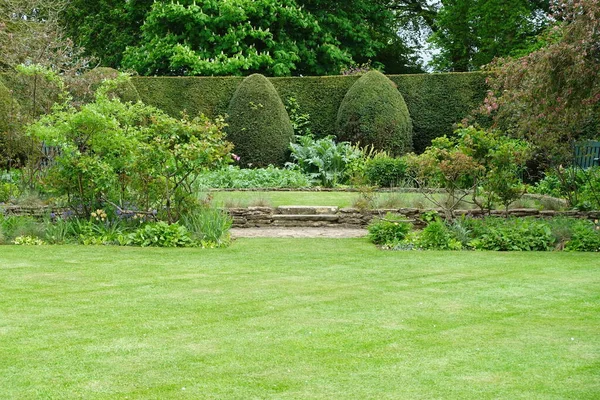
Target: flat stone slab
[[305, 217], [298, 232], [306, 210]]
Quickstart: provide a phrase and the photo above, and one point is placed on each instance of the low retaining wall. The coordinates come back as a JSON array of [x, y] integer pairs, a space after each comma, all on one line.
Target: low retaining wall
[[253, 217], [323, 216]]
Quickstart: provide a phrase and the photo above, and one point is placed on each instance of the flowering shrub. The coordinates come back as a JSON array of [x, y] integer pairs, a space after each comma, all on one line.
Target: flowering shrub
[[114, 153]]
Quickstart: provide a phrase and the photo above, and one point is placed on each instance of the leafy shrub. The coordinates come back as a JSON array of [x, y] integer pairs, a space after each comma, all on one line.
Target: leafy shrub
[[128, 153], [57, 230], [233, 177], [389, 230], [580, 187], [300, 121], [259, 125], [487, 163], [326, 162], [209, 226], [513, 234], [28, 241], [83, 88], [385, 171], [373, 112], [437, 236], [8, 190], [585, 236], [161, 234]]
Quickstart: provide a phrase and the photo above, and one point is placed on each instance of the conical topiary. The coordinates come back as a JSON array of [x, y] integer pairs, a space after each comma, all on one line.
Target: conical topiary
[[373, 112], [259, 126]]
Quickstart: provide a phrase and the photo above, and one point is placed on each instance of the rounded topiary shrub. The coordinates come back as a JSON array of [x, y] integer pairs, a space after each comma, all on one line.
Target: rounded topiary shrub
[[373, 112], [259, 126]]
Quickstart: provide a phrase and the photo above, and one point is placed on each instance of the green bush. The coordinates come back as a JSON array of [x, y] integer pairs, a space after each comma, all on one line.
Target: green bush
[[437, 236], [373, 112], [6, 105], [512, 234], [326, 162], [11, 137], [580, 187], [234, 177], [388, 231], [385, 171], [585, 236], [161, 234], [128, 154], [259, 126]]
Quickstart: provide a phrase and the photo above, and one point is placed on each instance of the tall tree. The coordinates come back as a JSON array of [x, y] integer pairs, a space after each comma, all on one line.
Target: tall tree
[[31, 33], [278, 38], [470, 33], [105, 27], [552, 95]]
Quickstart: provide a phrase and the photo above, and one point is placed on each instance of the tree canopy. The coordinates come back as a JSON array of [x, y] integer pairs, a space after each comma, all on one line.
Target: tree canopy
[[276, 38], [471, 33], [552, 95]]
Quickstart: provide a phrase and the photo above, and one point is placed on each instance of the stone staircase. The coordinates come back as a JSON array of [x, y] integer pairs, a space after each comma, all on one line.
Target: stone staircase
[[299, 216]]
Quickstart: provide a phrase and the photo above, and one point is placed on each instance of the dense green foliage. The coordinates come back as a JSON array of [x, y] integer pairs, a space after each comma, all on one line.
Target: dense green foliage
[[259, 126], [324, 161], [161, 234], [551, 97], [385, 171], [373, 113], [435, 101], [470, 33], [241, 37], [513, 235], [8, 107], [389, 230], [128, 155], [105, 28], [581, 187], [487, 162], [234, 177], [503, 234], [84, 88]]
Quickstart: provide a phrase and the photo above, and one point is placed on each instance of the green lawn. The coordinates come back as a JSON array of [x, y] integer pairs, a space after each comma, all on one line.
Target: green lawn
[[297, 319], [340, 199]]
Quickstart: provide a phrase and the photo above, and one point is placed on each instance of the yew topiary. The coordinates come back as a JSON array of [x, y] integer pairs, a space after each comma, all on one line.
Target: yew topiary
[[259, 126], [373, 112]]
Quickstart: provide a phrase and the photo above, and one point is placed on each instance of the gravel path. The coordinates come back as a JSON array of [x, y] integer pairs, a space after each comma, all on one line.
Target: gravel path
[[298, 232]]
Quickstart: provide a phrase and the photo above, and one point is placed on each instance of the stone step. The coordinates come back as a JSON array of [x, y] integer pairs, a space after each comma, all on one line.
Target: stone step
[[305, 217], [306, 210]]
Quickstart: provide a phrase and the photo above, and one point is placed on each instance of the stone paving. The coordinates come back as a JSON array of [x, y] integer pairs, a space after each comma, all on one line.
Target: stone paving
[[298, 232]]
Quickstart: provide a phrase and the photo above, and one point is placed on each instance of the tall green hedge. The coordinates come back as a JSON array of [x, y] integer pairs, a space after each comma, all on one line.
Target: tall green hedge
[[435, 101], [258, 124]]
